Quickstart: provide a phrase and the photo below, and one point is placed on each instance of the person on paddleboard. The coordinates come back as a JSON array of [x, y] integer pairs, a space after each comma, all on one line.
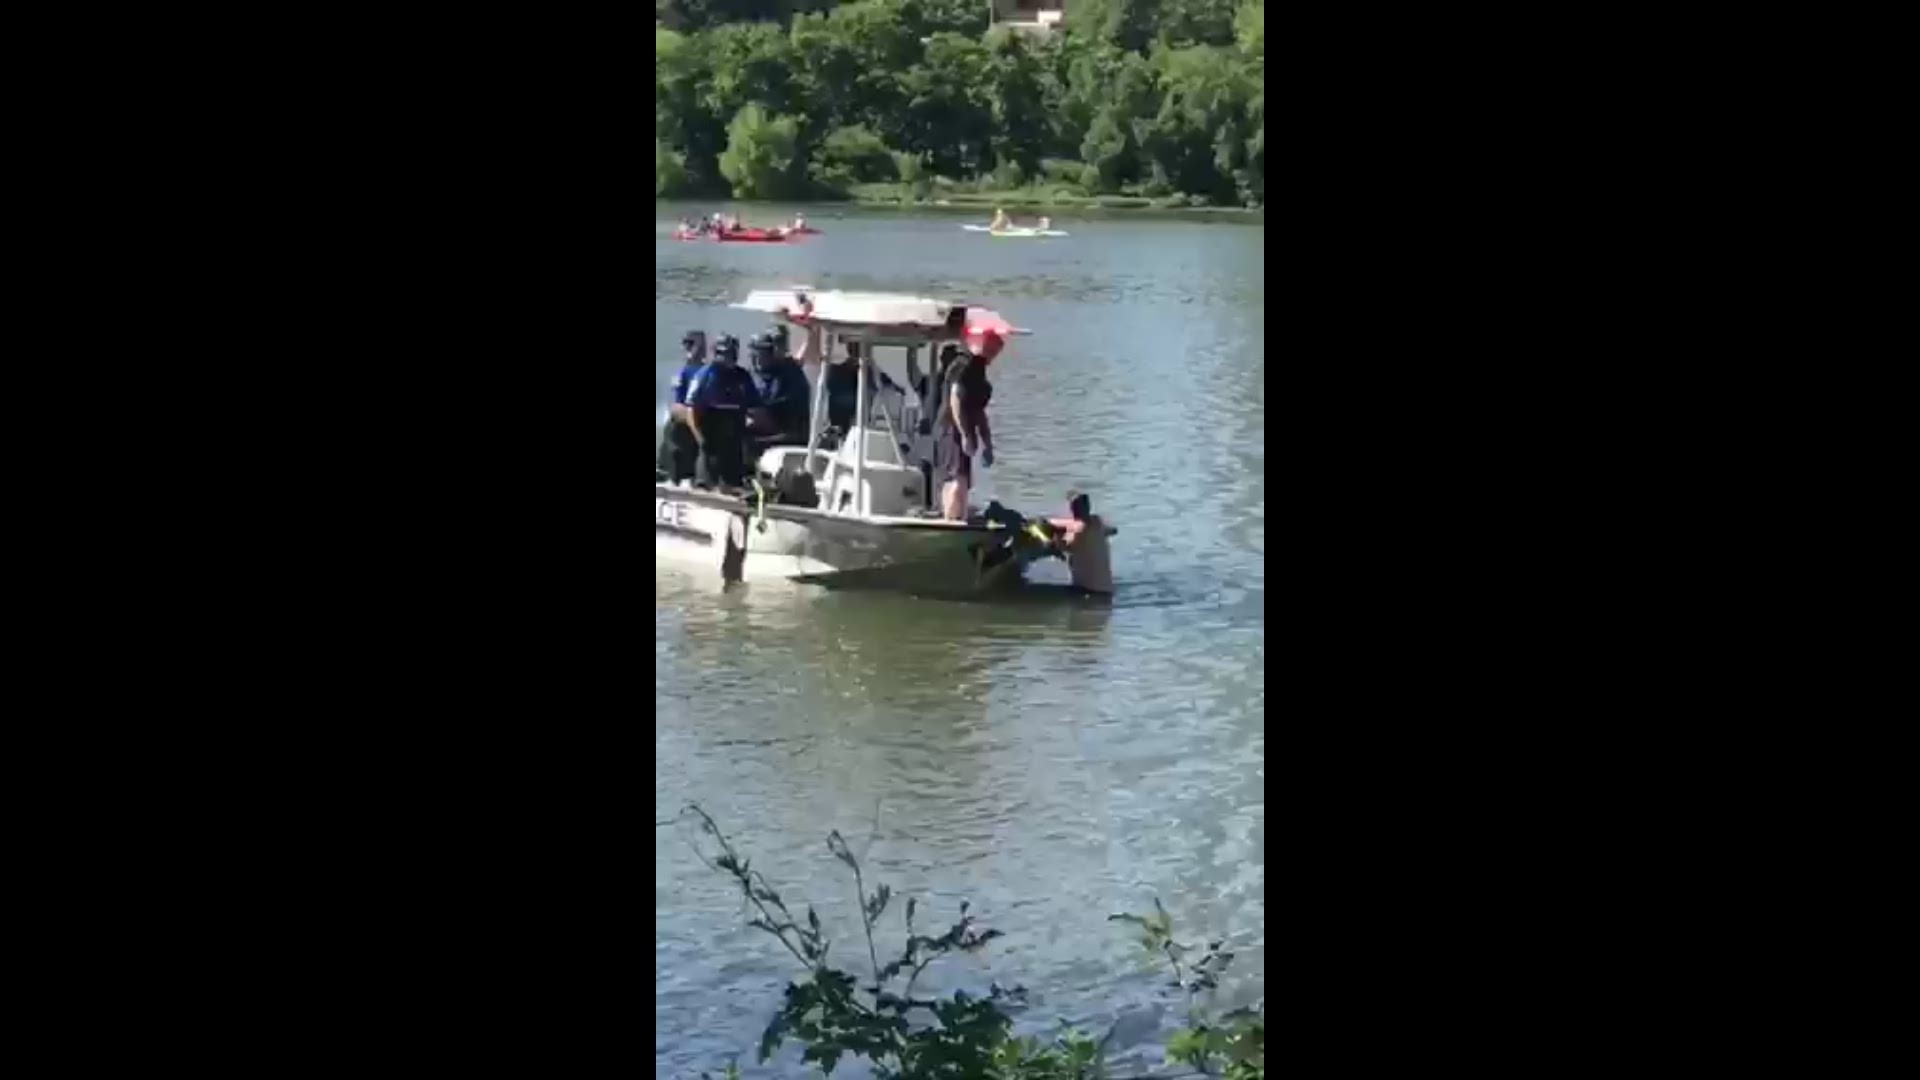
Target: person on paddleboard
[[717, 406], [1001, 222], [678, 448]]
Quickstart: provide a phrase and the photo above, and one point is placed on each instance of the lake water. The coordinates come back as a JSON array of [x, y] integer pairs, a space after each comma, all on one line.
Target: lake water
[[1049, 760]]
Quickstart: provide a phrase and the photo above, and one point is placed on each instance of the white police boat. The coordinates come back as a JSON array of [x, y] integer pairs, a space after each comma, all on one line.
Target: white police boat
[[859, 510]]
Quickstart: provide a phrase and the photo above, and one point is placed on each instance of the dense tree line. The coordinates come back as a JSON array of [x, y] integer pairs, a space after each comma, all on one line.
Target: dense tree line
[[806, 98]]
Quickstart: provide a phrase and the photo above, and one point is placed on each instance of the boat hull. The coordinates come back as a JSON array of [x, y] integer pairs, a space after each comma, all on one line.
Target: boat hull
[[697, 529]]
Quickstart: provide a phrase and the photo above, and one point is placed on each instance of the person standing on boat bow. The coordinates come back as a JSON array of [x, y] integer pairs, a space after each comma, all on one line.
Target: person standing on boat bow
[[678, 448], [718, 403], [961, 430]]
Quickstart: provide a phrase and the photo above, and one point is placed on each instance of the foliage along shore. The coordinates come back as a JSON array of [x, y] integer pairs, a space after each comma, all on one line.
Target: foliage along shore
[[901, 197], [835, 1014], [1138, 103]]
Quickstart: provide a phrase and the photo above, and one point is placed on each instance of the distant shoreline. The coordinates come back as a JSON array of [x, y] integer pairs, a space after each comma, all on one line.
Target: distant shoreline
[[1011, 201], [978, 202]]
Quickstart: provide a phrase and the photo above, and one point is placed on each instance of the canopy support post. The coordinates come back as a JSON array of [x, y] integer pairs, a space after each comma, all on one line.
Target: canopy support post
[[860, 425]]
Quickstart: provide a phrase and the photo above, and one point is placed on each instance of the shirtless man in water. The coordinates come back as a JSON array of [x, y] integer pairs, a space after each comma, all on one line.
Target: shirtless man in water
[[1084, 536]]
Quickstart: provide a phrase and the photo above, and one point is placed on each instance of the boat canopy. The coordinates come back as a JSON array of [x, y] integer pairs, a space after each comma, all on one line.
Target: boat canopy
[[886, 318]]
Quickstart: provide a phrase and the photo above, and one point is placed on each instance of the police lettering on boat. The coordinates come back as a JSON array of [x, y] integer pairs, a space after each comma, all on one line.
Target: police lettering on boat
[[855, 509], [675, 517]]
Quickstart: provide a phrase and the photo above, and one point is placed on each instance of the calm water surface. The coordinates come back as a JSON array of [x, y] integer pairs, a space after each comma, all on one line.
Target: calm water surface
[[1048, 760]]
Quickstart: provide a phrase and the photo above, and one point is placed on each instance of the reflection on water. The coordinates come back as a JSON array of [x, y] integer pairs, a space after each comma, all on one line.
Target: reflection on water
[[1049, 758]]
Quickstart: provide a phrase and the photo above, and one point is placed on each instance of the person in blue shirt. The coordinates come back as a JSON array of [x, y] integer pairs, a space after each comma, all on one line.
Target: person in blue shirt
[[784, 391], [677, 445], [717, 404]]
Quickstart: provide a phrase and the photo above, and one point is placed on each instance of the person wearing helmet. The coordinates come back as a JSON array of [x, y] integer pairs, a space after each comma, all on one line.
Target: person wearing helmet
[[784, 392], [677, 445], [718, 403]]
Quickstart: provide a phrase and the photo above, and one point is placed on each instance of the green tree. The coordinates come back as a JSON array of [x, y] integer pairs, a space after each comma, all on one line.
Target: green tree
[[1110, 95], [1108, 153], [862, 152], [684, 117], [947, 116], [924, 18], [1250, 28], [1253, 185], [1196, 142], [855, 60], [1196, 22], [1018, 97], [754, 63], [762, 156], [700, 14], [1125, 24], [669, 171], [848, 156], [1169, 93]]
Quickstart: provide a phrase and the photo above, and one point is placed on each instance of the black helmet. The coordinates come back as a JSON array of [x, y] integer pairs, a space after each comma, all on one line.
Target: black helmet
[[728, 347], [694, 337], [761, 343]]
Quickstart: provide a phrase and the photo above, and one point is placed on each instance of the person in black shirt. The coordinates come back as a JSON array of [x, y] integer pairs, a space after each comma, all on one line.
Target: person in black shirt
[[960, 430], [843, 388]]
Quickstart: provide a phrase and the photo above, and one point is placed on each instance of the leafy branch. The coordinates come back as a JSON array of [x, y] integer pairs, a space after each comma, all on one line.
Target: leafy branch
[[964, 1036], [1234, 1045]]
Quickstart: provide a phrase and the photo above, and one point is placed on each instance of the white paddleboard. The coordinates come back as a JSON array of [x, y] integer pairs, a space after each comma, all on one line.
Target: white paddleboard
[[1015, 232]]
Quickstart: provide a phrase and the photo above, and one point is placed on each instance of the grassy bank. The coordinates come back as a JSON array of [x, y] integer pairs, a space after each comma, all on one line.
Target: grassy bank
[[1027, 198]]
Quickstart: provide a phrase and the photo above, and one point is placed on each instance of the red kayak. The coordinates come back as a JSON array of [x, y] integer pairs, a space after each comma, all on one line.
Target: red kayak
[[753, 236], [746, 236]]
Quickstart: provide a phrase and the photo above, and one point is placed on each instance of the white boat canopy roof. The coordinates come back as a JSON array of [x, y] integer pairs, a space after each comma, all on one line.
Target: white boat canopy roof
[[885, 318]]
